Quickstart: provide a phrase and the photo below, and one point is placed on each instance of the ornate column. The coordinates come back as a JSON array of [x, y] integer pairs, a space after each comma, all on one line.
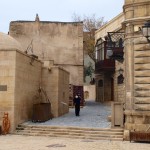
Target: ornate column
[[137, 66]]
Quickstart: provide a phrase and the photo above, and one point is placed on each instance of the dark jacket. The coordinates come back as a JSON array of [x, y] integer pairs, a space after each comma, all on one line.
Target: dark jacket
[[77, 101]]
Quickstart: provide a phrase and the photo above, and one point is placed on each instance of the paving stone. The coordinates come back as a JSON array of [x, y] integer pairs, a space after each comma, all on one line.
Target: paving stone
[[18, 142], [93, 114]]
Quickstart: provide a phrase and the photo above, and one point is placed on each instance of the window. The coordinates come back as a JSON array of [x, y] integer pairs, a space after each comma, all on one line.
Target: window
[[100, 45]]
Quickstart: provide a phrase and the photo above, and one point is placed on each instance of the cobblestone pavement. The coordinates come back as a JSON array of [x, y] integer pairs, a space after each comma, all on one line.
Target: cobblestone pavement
[[17, 142], [93, 114]]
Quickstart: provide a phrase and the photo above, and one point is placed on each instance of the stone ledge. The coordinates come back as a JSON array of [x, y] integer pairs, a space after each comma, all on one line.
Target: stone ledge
[[136, 113]]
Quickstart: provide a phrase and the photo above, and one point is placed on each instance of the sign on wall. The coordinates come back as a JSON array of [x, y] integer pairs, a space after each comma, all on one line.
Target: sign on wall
[[3, 87]]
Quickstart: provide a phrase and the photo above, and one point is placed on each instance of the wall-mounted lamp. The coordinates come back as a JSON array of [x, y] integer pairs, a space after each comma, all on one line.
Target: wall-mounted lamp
[[120, 77], [146, 30]]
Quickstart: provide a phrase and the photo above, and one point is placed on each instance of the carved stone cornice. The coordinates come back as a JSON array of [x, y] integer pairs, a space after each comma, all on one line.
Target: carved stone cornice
[[133, 4], [136, 20]]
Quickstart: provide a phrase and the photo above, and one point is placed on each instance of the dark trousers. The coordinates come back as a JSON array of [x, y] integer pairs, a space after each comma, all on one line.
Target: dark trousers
[[77, 109]]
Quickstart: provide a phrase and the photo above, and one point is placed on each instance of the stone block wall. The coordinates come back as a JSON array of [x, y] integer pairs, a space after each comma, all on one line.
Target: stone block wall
[[27, 83], [56, 84], [22, 80], [137, 56], [119, 89], [7, 84]]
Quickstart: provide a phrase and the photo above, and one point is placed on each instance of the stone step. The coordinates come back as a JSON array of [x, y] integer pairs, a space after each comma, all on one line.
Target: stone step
[[70, 132], [75, 136], [43, 127]]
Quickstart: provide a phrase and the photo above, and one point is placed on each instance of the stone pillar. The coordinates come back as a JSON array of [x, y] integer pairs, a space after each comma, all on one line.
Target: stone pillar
[[137, 66]]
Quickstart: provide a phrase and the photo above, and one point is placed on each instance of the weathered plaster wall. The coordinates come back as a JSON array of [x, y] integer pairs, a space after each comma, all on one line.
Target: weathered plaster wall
[[58, 41], [91, 89], [63, 92]]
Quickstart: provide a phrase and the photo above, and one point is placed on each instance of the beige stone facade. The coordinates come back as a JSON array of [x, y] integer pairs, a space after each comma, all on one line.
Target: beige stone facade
[[134, 93], [21, 77], [22, 81], [110, 89], [60, 42], [137, 66], [56, 84]]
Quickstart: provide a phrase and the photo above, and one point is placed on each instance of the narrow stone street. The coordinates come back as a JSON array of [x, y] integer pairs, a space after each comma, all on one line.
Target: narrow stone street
[[93, 114]]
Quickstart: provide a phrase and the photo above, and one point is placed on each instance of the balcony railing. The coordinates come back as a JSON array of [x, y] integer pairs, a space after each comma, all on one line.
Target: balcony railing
[[115, 44]]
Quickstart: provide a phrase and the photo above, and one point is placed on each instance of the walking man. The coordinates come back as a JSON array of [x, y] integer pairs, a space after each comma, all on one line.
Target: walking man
[[77, 100]]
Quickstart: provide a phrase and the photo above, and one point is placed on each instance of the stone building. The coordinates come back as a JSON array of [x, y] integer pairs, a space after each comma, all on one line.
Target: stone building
[[133, 92], [58, 42], [39, 54], [21, 76], [137, 59], [107, 68]]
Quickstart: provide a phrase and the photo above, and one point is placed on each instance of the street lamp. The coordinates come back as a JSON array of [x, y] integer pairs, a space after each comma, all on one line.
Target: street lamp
[[120, 77], [146, 30]]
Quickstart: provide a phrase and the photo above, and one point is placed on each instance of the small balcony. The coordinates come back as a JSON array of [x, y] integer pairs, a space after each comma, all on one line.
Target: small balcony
[[117, 53], [107, 65], [115, 46]]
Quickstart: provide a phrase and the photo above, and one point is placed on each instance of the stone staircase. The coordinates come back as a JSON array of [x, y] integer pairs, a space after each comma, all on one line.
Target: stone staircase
[[115, 134]]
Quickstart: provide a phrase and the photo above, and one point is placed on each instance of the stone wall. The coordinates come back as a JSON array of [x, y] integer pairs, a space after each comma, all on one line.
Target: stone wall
[[56, 84], [119, 89], [22, 80], [137, 56], [63, 92], [27, 83], [19, 84], [7, 84], [91, 90], [58, 41]]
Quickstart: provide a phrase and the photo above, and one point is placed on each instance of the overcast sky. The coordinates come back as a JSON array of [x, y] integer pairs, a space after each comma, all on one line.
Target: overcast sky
[[56, 10]]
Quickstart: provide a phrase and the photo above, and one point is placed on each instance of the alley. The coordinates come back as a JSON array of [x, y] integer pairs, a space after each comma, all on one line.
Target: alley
[[93, 114]]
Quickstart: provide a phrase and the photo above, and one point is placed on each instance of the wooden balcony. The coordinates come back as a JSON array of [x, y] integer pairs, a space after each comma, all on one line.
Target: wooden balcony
[[107, 65], [117, 53]]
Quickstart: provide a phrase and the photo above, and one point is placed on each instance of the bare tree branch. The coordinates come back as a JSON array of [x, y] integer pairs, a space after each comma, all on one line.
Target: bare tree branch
[[90, 25]]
